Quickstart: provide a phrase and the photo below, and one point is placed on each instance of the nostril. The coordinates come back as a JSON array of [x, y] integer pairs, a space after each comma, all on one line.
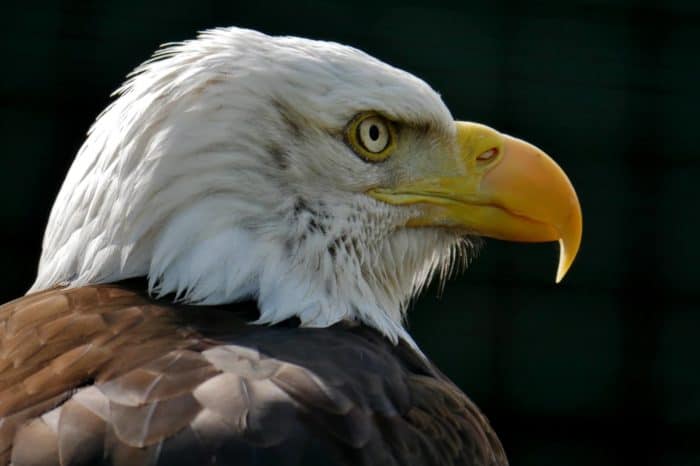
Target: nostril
[[487, 155]]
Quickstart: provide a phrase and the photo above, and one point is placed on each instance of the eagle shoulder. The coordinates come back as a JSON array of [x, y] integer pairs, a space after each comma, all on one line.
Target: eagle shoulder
[[106, 375]]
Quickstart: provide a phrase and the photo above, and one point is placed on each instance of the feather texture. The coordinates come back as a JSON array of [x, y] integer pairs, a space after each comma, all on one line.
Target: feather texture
[[151, 383], [221, 173]]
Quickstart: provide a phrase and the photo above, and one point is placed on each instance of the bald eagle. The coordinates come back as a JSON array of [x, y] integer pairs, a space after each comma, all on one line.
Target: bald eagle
[[226, 268]]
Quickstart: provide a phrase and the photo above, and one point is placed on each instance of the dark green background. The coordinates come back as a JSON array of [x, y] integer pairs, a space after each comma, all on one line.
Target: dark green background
[[601, 370]]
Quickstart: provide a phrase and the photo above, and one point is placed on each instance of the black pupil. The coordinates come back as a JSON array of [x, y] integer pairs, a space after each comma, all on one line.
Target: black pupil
[[374, 132]]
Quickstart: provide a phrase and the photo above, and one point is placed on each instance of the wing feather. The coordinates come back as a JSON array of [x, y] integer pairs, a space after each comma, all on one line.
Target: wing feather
[[106, 375]]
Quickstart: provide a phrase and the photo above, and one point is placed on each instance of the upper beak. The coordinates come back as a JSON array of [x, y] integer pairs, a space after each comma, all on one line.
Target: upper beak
[[500, 187]]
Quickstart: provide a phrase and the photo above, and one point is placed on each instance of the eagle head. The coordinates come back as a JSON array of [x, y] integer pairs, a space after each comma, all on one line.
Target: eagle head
[[320, 181]]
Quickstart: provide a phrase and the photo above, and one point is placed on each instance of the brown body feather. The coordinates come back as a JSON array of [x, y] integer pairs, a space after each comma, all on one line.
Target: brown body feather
[[106, 375]]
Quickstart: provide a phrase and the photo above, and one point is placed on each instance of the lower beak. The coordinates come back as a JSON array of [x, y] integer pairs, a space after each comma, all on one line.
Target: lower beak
[[505, 188]]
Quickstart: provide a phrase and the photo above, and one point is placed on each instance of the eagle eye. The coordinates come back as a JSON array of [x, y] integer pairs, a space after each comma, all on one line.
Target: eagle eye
[[371, 136]]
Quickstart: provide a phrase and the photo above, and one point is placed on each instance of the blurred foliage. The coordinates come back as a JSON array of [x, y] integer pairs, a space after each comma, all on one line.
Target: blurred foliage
[[602, 369]]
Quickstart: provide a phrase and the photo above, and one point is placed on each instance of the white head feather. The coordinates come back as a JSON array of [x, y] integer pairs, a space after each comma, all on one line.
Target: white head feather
[[220, 173]]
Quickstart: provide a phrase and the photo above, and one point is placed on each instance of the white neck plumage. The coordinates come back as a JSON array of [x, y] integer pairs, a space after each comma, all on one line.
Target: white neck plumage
[[220, 185]]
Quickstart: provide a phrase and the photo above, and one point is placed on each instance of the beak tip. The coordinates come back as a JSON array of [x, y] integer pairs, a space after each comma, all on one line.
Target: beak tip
[[560, 277], [561, 273], [567, 254]]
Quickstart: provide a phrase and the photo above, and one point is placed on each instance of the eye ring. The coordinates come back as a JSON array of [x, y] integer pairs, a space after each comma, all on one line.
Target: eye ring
[[371, 136]]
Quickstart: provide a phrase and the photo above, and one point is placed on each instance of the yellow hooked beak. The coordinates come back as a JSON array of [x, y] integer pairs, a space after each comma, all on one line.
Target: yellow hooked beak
[[500, 187]]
